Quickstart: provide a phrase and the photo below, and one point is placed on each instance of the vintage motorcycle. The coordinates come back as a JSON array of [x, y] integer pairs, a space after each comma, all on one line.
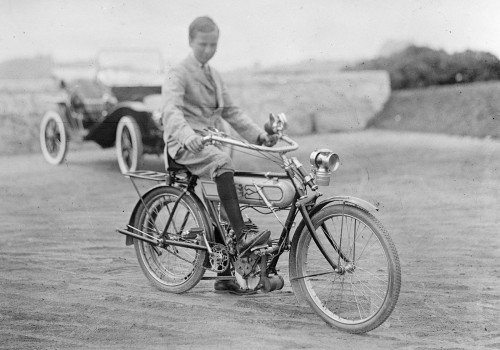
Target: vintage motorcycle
[[342, 261]]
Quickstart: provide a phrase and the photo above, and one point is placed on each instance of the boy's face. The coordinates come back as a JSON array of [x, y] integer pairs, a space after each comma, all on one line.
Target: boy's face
[[204, 45]]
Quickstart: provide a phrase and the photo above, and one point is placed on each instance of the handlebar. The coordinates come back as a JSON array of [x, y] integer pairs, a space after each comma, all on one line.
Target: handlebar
[[292, 145]]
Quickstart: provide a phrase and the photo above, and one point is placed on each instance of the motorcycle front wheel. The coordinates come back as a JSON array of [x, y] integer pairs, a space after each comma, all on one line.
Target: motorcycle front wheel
[[172, 269], [364, 290]]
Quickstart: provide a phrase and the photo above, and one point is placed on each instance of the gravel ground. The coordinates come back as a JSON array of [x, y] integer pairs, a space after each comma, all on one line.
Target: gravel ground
[[68, 281]]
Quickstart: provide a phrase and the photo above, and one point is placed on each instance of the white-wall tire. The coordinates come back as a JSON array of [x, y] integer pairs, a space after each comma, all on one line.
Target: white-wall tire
[[53, 138], [129, 145]]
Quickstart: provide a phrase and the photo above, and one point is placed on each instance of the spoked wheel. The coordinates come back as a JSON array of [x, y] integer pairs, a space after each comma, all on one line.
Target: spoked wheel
[[362, 294], [53, 138], [174, 269], [128, 144]]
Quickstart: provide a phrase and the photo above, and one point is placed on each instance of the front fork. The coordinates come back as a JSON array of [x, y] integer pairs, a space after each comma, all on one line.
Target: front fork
[[312, 230], [340, 269]]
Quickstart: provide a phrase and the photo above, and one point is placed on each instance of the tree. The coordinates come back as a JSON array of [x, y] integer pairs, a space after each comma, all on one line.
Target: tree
[[418, 66]]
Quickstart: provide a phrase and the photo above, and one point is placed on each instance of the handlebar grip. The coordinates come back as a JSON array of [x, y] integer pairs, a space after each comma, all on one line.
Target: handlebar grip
[[206, 139]]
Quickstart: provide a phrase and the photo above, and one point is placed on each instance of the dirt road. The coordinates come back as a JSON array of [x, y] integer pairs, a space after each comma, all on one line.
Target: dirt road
[[67, 280]]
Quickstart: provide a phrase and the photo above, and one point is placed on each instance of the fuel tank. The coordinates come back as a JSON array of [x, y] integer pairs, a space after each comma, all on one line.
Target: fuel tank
[[277, 188]]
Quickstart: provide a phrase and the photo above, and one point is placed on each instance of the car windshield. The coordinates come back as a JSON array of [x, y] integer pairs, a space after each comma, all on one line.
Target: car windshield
[[130, 68]]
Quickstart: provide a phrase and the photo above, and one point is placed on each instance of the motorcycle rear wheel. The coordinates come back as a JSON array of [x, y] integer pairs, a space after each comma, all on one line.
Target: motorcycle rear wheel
[[173, 269], [362, 296]]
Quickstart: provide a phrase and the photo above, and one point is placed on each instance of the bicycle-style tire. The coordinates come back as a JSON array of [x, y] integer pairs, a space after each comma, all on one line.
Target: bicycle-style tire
[[177, 269], [362, 298]]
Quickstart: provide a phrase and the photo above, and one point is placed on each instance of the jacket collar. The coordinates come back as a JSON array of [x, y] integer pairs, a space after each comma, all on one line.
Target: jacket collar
[[196, 67], [193, 61]]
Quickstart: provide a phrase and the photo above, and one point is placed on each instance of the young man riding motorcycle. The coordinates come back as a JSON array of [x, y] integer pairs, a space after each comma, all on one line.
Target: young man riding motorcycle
[[195, 98]]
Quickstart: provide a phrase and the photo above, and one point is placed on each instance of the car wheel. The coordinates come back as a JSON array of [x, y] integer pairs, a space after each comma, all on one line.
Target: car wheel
[[128, 144], [53, 138]]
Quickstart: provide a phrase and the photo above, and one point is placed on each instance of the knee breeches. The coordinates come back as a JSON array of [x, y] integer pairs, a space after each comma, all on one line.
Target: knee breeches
[[210, 162]]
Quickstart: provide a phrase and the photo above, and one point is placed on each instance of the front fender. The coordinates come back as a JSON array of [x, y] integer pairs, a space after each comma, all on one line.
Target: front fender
[[210, 234], [346, 200]]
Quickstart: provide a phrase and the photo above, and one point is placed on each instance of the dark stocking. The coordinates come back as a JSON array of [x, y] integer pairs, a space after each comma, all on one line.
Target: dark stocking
[[229, 201]]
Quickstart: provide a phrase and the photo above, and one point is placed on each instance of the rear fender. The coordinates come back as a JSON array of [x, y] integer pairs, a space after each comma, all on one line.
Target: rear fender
[[210, 235]]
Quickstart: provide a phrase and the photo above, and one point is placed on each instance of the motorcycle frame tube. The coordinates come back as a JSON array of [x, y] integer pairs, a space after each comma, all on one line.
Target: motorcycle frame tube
[[300, 197], [284, 240], [163, 242], [215, 221], [164, 234]]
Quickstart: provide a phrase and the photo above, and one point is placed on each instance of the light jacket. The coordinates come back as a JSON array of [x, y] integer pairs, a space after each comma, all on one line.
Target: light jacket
[[192, 103]]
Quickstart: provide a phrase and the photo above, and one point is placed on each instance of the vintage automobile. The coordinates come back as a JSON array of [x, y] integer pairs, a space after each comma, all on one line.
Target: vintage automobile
[[118, 106]]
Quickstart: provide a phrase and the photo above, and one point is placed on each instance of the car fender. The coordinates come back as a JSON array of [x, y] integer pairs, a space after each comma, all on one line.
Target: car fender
[[133, 105], [210, 235], [104, 133], [136, 110]]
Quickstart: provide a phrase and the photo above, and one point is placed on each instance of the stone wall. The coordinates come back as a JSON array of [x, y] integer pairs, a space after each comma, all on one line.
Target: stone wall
[[313, 102]]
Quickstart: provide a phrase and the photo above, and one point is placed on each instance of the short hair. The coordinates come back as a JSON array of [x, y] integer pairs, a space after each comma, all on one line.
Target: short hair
[[202, 24]]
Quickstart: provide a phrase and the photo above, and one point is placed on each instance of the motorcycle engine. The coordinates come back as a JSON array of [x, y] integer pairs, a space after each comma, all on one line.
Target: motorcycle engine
[[247, 271]]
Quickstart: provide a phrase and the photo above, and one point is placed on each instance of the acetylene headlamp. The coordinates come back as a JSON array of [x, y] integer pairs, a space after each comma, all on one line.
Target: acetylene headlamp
[[324, 162]]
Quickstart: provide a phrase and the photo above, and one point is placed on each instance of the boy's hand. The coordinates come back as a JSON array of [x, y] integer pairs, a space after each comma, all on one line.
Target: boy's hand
[[267, 140], [194, 143]]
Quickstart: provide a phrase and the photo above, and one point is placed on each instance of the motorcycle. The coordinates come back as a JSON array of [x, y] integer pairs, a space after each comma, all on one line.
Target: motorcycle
[[342, 261]]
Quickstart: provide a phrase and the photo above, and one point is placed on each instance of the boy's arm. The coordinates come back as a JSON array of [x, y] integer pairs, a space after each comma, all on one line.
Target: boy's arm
[[174, 123], [243, 124]]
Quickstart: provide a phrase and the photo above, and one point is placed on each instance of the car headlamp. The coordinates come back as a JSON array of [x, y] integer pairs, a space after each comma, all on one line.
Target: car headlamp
[[324, 162]]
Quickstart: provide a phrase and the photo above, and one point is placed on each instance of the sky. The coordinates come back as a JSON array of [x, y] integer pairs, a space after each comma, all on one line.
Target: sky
[[264, 32]]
